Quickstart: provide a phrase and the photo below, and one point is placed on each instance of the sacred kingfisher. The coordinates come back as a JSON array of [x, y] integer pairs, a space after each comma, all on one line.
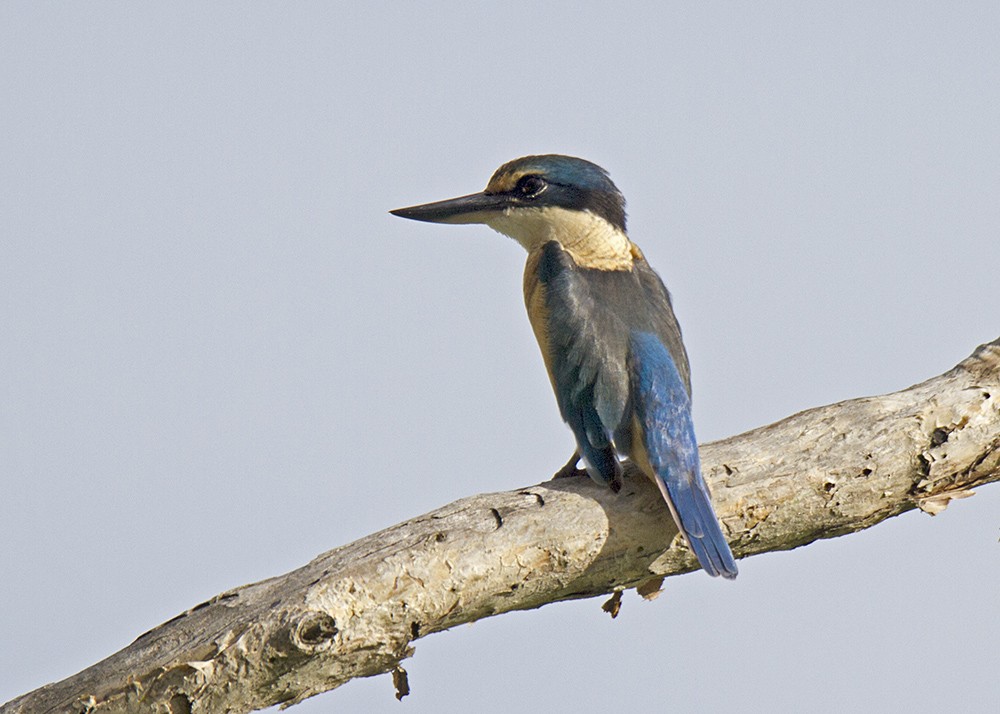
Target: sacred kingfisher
[[607, 331]]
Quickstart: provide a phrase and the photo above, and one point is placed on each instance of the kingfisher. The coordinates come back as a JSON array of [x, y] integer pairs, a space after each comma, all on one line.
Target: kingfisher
[[607, 331]]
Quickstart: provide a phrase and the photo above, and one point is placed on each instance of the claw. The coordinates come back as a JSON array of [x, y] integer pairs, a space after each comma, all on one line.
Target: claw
[[571, 469]]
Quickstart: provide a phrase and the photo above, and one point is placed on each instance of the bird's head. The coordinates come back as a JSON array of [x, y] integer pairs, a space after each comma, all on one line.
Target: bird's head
[[535, 199]]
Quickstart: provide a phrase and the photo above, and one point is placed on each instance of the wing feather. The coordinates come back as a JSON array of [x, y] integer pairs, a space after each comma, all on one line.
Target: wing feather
[[584, 348]]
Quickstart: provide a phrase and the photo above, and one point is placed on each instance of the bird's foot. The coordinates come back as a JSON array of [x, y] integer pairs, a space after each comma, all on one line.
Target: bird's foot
[[570, 469]]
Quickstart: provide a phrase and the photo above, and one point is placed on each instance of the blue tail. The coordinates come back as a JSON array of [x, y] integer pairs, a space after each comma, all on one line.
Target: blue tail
[[662, 409]]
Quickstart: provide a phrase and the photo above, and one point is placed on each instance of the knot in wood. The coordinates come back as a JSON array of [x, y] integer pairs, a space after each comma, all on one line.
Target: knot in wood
[[315, 632]]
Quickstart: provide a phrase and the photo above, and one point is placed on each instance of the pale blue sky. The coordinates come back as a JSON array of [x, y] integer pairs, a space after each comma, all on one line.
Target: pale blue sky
[[220, 356]]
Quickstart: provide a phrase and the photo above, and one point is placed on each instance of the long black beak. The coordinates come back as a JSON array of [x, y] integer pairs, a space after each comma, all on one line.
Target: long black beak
[[474, 208]]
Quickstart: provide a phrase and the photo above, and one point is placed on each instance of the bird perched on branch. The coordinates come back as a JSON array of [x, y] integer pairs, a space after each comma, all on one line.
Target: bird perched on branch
[[607, 331]]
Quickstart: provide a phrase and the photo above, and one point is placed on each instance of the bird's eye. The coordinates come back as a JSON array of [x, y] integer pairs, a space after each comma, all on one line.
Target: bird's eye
[[531, 186]]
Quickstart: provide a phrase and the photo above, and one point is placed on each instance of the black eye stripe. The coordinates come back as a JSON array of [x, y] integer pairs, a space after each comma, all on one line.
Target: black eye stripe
[[538, 189]]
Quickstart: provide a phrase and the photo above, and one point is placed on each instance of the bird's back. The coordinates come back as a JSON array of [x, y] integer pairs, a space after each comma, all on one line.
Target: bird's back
[[583, 319]]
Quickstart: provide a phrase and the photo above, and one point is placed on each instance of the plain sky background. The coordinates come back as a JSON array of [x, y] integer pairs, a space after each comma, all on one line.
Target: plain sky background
[[221, 356]]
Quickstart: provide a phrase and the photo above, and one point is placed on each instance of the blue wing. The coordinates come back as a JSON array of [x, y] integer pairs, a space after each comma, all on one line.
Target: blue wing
[[663, 437]]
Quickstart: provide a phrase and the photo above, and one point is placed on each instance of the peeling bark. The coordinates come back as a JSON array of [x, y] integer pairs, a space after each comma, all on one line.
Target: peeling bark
[[356, 610]]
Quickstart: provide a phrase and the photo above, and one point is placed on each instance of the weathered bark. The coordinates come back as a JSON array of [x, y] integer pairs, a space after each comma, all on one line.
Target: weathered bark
[[354, 611]]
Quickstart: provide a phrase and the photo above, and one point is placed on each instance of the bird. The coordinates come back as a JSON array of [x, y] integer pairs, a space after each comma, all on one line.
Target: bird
[[606, 327]]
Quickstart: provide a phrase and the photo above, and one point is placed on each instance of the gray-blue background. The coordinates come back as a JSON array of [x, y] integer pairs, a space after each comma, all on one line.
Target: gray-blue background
[[220, 356]]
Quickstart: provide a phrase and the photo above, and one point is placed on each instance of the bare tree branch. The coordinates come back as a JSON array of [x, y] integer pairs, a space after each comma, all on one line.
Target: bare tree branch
[[354, 611]]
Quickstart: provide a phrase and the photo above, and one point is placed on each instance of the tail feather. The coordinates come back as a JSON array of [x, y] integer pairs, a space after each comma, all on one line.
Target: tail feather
[[664, 436]]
